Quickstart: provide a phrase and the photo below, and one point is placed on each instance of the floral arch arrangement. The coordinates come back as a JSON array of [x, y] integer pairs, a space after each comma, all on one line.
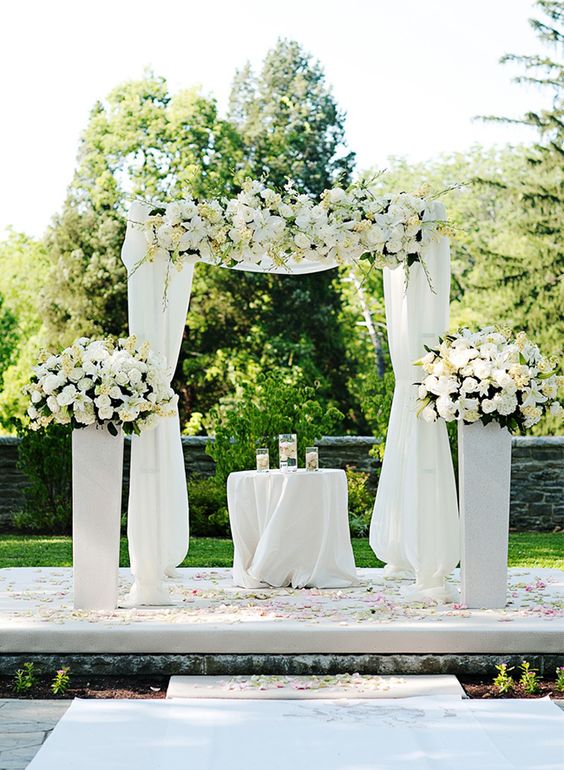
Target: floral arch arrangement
[[342, 227]]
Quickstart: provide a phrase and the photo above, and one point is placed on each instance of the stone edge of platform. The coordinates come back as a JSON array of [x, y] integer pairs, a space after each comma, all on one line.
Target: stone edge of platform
[[168, 664]]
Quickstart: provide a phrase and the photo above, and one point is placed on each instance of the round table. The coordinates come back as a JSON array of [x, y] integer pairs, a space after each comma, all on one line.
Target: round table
[[291, 528]]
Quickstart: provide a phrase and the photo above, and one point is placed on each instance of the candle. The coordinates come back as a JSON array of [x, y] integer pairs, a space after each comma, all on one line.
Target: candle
[[288, 451], [312, 458], [263, 460]]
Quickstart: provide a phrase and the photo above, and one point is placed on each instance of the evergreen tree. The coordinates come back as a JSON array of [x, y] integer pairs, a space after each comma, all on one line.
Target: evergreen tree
[[530, 279]]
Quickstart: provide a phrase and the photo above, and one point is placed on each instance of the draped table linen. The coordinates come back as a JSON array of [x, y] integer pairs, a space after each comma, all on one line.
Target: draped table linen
[[414, 528], [291, 529]]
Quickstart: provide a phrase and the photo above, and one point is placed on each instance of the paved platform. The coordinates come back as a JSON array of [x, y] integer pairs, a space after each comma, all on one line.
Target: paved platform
[[211, 616], [24, 727]]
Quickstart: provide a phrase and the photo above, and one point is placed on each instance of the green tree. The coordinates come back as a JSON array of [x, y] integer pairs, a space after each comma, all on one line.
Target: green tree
[[139, 142], [23, 270], [532, 280], [292, 128]]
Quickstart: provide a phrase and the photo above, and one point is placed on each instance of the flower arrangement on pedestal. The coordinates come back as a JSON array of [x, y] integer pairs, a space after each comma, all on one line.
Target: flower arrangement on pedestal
[[97, 381], [342, 227], [488, 375]]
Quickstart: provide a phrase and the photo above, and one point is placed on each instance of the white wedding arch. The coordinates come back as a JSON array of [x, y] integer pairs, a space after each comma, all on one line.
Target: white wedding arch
[[415, 521]]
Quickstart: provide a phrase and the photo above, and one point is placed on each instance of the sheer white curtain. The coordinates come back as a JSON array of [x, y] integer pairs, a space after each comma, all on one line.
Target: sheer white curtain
[[157, 525], [414, 526]]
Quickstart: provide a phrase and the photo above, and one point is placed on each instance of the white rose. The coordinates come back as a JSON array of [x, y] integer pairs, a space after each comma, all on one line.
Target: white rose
[[106, 413], [116, 393], [66, 396], [556, 409], [103, 402], [36, 396], [488, 406], [53, 404], [135, 376], [52, 382], [469, 385], [84, 384], [32, 412]]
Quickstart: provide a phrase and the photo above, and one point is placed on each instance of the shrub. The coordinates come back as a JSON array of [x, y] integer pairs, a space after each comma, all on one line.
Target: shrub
[[25, 678], [208, 507], [361, 502], [45, 458], [278, 402]]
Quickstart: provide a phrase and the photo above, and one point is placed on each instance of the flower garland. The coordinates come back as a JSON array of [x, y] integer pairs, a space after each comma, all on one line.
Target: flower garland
[[343, 227], [488, 375], [95, 381]]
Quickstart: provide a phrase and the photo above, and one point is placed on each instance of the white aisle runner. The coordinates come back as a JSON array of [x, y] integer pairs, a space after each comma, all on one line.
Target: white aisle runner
[[420, 733]]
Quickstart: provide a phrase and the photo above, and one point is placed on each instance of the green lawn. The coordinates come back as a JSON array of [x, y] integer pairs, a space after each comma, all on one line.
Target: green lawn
[[526, 549]]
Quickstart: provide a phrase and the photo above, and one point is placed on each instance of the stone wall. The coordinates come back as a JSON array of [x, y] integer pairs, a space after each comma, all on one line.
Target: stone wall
[[537, 475]]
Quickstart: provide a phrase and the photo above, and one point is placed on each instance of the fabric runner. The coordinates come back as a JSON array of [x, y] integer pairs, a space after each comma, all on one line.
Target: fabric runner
[[427, 733]]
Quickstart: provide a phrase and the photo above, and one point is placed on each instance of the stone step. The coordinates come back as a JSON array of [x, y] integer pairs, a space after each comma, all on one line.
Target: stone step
[[277, 687]]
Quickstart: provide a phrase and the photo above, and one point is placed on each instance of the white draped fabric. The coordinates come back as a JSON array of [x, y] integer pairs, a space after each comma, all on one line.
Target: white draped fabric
[[291, 528], [157, 524], [414, 527]]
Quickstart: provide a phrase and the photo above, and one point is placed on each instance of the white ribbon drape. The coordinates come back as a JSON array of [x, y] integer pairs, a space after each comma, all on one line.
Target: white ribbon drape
[[157, 524], [414, 528]]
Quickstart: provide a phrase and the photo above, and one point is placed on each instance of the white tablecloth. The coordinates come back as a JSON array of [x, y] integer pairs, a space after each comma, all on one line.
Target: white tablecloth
[[291, 528]]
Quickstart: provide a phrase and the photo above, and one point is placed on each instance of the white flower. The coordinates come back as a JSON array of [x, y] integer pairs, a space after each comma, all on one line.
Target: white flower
[[66, 396], [428, 413], [53, 404], [36, 396], [337, 195], [302, 241], [469, 385], [446, 408], [103, 401], [482, 369], [52, 382], [422, 392], [488, 405], [556, 409]]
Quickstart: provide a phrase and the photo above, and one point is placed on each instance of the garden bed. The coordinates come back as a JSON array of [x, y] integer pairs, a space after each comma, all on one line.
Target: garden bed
[[155, 689]]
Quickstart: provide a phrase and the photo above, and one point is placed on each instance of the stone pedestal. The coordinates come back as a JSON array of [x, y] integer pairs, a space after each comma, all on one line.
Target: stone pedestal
[[97, 467], [484, 467]]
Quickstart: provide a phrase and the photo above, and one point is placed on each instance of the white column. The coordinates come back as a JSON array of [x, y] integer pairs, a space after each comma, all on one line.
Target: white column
[[97, 470], [484, 463]]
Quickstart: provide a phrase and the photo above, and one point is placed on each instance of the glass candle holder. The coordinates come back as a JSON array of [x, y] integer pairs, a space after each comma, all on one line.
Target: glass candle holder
[[288, 451], [263, 460], [312, 458]]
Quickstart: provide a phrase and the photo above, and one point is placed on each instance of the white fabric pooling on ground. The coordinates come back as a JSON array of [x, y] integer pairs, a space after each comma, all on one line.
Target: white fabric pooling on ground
[[438, 733]]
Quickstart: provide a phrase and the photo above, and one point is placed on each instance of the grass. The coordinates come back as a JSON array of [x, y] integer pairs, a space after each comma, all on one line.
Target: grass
[[526, 549]]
